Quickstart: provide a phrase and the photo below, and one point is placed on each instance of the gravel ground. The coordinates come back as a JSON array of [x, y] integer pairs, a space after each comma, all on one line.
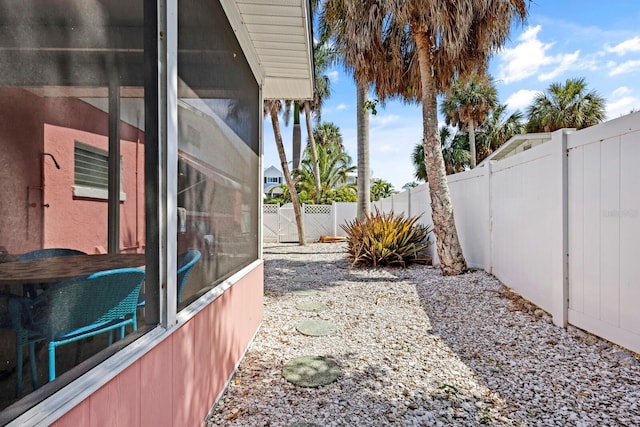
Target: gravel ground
[[420, 349]]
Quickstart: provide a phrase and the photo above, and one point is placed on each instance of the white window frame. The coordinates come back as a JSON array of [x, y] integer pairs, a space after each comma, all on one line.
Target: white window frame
[[94, 192]]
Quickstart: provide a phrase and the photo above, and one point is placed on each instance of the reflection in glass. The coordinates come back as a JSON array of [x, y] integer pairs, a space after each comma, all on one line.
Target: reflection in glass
[[218, 147], [71, 89]]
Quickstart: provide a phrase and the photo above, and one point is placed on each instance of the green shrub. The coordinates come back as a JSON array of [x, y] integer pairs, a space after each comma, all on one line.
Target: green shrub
[[340, 194], [387, 239]]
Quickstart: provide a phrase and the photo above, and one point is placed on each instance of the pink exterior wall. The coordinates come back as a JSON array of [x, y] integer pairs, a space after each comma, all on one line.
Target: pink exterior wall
[[78, 223], [177, 382], [20, 148], [32, 125]]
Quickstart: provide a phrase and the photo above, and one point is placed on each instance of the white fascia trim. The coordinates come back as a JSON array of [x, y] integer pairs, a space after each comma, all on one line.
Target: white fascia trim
[[244, 39], [60, 403]]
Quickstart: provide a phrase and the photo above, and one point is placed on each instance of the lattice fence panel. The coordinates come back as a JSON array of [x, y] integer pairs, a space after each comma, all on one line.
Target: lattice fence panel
[[318, 221]]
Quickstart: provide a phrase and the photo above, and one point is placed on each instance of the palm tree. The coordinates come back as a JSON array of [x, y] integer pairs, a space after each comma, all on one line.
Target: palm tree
[[326, 133], [417, 158], [498, 129], [565, 106], [323, 56], [334, 167], [380, 189], [364, 186], [273, 108], [455, 153], [296, 139], [321, 90], [333, 24], [414, 49], [467, 104], [412, 184]]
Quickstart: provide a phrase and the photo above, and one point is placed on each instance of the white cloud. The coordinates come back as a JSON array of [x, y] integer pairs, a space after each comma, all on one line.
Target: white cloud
[[621, 102], [531, 57], [631, 45], [383, 119], [622, 106], [330, 111], [521, 99], [333, 75], [565, 61], [384, 148], [526, 58], [621, 91], [624, 67]]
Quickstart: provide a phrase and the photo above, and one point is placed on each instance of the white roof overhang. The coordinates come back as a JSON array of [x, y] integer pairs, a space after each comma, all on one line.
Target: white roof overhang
[[276, 38], [514, 143]]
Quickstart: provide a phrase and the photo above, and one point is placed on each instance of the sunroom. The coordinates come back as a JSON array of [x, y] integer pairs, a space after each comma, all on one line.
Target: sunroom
[[131, 170]]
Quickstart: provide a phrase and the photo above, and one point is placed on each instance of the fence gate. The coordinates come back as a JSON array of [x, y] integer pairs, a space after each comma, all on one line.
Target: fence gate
[[270, 223], [288, 230], [604, 227], [317, 221], [279, 223]]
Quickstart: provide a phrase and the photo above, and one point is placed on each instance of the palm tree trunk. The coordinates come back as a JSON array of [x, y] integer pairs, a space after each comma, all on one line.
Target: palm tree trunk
[[297, 137], [314, 151], [364, 186], [287, 176], [472, 144], [452, 261]]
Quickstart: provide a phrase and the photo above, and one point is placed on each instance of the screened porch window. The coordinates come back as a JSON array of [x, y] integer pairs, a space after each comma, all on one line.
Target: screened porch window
[[72, 92], [218, 149]]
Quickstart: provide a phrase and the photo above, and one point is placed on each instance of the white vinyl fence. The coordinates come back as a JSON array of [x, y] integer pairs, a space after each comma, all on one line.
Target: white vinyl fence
[[604, 230], [279, 223], [559, 224]]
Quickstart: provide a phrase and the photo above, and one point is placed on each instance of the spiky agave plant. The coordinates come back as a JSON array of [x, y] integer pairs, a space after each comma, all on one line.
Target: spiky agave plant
[[387, 239]]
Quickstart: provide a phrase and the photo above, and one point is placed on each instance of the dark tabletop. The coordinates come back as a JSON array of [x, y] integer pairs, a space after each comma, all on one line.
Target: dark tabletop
[[55, 269]]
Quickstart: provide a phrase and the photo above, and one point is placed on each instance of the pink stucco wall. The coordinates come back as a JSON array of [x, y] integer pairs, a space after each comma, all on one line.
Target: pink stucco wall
[[81, 223], [177, 382], [20, 148], [39, 209]]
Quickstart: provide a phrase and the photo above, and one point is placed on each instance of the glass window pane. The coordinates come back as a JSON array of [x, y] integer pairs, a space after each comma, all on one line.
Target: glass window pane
[[58, 61], [218, 119]]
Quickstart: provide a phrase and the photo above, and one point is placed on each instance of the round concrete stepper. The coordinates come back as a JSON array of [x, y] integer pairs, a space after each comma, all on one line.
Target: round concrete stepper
[[316, 328], [313, 306], [307, 292], [311, 371]]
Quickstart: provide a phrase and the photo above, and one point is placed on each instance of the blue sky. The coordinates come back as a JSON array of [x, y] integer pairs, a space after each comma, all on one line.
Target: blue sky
[[561, 39]]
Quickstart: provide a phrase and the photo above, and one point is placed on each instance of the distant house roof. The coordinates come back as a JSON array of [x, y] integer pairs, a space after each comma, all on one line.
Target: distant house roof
[[272, 171], [516, 144]]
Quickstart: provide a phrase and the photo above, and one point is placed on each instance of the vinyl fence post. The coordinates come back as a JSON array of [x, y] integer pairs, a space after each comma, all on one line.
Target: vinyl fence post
[[304, 221], [279, 226], [488, 258], [560, 254], [334, 218]]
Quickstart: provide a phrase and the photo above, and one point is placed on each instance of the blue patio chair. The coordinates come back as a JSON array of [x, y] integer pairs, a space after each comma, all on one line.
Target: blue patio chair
[[185, 263], [31, 289], [73, 310]]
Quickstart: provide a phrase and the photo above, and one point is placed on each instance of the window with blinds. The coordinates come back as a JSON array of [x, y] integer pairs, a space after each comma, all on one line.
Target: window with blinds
[[91, 172]]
